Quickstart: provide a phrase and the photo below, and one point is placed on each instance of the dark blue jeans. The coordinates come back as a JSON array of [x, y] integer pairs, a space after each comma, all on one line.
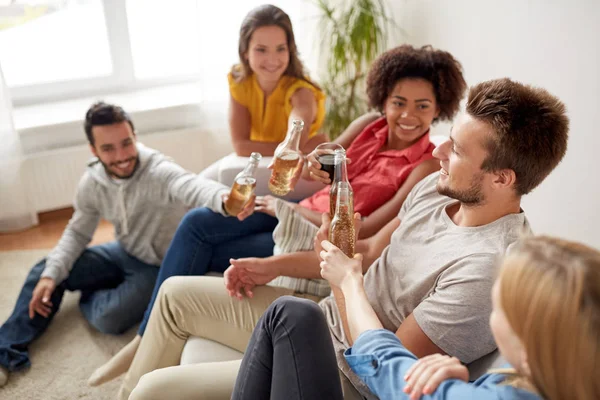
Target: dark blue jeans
[[115, 290], [290, 355], [206, 240]]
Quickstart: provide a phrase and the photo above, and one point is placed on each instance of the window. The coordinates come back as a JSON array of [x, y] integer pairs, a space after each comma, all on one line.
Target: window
[[58, 49]]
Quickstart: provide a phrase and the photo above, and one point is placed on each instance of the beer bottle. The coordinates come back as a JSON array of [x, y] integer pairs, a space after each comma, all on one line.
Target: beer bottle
[[341, 175], [243, 186], [341, 230], [286, 157]]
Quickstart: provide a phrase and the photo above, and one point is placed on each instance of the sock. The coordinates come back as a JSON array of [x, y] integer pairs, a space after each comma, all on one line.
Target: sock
[[117, 365]]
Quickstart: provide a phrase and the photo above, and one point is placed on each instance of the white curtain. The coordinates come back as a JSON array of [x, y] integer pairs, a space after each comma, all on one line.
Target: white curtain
[[15, 210]]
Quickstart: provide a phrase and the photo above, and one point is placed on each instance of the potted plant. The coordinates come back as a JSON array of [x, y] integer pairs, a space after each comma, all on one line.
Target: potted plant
[[352, 34]]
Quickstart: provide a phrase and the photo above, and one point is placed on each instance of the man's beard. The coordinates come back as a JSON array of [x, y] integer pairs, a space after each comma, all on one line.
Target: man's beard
[[112, 173], [471, 197]]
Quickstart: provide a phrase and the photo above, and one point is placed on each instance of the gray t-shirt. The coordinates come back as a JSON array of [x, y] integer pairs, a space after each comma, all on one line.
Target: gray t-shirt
[[440, 272]]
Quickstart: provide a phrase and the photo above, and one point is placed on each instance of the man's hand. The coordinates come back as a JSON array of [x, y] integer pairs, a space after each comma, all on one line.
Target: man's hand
[[426, 374], [40, 301], [246, 273], [248, 209], [336, 267]]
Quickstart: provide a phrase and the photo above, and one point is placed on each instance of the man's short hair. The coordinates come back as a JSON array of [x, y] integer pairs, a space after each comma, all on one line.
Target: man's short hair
[[102, 113], [530, 129]]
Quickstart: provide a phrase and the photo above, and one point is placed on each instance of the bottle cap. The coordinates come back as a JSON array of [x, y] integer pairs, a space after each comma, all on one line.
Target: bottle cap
[[298, 123]]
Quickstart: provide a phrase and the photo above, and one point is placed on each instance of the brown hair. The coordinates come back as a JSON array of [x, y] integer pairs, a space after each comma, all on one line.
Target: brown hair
[[550, 294], [436, 66], [267, 15], [530, 129], [102, 113]]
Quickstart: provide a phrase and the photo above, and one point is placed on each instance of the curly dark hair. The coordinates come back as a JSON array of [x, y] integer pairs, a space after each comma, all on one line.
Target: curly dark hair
[[436, 66]]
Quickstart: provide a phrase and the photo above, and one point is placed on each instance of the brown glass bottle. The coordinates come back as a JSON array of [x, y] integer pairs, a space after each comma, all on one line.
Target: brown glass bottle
[[341, 231], [341, 175]]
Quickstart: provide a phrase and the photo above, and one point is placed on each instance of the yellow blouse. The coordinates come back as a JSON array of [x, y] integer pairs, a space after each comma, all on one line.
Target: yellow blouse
[[269, 119]]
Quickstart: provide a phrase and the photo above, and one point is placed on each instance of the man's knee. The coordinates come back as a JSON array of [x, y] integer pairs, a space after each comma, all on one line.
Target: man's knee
[[112, 322]]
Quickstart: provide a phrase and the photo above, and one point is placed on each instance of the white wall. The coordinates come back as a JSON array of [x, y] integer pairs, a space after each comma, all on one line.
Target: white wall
[[550, 43]]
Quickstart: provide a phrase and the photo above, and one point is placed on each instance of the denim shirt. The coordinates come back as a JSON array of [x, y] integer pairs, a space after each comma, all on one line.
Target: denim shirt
[[381, 361]]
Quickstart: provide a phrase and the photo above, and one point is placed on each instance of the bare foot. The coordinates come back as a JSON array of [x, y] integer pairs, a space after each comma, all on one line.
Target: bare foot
[[117, 365]]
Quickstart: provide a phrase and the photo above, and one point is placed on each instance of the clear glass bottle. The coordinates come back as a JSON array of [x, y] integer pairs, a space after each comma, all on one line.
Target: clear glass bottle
[[341, 231], [243, 186], [340, 175], [286, 157]]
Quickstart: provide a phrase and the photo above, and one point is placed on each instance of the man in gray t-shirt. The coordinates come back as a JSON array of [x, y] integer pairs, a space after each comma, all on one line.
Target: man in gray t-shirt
[[430, 271]]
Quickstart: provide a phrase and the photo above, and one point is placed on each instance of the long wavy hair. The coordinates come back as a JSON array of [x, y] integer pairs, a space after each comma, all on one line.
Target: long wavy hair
[[550, 294], [268, 15]]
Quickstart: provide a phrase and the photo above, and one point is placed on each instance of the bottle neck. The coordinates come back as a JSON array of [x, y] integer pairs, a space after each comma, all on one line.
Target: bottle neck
[[344, 201], [292, 139], [341, 172], [251, 168]]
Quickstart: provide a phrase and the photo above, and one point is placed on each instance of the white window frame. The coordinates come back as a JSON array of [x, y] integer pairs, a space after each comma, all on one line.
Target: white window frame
[[121, 80]]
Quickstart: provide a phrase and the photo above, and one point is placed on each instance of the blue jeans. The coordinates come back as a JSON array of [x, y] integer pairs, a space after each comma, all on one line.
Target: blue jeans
[[206, 240], [290, 355], [115, 290]]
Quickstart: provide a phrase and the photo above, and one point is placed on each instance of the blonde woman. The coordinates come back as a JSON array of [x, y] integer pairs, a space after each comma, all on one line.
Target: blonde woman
[[545, 320]]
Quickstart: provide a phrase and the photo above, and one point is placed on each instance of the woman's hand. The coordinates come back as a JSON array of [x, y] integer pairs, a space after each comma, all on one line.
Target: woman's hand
[[314, 169], [337, 268], [266, 204], [297, 172], [426, 374]]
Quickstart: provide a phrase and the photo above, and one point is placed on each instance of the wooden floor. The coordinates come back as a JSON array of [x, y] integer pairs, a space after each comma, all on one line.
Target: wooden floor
[[48, 232]]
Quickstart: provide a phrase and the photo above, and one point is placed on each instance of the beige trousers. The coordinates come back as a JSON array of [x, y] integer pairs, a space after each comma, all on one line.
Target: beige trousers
[[194, 306]]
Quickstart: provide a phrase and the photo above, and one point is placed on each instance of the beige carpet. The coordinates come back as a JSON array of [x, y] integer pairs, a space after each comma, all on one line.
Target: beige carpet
[[65, 356]]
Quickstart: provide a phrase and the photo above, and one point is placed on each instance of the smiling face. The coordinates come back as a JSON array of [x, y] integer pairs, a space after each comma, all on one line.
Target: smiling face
[[461, 158], [114, 145], [409, 110], [268, 53]]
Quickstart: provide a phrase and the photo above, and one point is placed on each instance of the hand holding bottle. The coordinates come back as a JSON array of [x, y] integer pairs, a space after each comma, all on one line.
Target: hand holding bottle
[[240, 201], [288, 161]]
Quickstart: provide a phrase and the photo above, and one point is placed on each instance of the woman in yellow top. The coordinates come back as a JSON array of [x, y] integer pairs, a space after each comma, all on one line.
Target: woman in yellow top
[[269, 87]]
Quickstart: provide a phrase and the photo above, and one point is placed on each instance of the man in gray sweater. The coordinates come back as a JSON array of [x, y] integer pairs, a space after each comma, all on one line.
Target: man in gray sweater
[[144, 195]]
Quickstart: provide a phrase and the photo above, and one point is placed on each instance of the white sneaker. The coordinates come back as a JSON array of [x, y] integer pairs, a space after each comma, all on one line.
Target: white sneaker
[[3, 376]]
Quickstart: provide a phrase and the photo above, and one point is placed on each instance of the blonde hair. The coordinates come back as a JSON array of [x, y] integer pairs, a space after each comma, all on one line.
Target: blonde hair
[[550, 294]]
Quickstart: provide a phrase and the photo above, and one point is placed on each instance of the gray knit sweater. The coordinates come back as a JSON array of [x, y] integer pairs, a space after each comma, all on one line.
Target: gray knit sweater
[[144, 209]]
